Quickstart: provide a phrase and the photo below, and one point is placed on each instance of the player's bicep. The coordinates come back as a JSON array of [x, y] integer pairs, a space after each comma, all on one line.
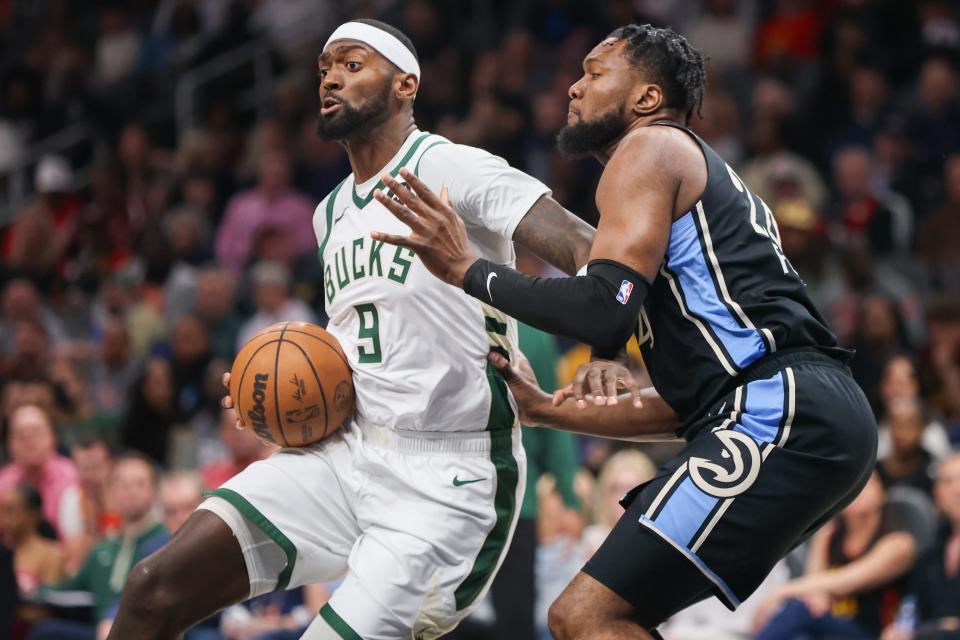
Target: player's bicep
[[636, 198]]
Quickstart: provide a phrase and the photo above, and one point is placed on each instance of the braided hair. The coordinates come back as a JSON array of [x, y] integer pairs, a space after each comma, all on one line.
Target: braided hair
[[669, 61]]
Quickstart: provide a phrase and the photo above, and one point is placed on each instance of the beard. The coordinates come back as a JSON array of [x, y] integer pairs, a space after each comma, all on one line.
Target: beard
[[584, 138], [348, 120]]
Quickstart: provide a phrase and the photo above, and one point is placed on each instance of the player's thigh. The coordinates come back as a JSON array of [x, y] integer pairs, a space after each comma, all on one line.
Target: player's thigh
[[294, 514], [731, 504], [435, 533]]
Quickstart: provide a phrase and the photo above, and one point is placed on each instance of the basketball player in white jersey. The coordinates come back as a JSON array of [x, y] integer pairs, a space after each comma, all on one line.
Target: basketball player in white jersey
[[414, 501]]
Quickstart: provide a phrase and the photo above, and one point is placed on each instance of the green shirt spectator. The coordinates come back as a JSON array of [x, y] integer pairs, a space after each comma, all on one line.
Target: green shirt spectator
[[548, 450], [102, 576]]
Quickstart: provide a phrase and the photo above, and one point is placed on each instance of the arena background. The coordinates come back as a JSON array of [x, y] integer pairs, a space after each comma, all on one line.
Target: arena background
[[158, 174]]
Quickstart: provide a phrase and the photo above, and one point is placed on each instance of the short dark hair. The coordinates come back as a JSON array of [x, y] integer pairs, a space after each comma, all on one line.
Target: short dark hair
[[670, 61], [131, 455], [396, 33]]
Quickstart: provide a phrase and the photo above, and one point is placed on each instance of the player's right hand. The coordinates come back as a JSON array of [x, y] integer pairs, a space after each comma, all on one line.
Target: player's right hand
[[227, 401], [598, 382], [531, 399]]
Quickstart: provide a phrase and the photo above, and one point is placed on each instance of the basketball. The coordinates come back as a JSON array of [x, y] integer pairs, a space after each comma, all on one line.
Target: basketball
[[291, 384]]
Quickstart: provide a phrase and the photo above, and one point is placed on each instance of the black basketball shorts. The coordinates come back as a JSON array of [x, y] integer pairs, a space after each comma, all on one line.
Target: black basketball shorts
[[769, 464]]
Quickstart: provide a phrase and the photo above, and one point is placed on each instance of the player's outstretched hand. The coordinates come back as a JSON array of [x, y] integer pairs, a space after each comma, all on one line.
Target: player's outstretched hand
[[437, 234], [227, 401], [599, 382], [531, 399]]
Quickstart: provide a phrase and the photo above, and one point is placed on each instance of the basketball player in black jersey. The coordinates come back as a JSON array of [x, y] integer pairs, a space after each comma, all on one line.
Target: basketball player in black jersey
[[779, 437]]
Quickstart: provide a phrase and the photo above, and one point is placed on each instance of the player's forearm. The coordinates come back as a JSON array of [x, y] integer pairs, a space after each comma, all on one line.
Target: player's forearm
[[555, 235], [600, 308], [888, 560], [655, 420]]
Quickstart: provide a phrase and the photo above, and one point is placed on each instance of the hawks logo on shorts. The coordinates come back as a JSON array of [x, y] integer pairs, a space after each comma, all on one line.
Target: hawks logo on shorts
[[716, 479]]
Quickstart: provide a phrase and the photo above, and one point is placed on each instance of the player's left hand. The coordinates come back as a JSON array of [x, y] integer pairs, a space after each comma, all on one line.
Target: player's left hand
[[437, 234]]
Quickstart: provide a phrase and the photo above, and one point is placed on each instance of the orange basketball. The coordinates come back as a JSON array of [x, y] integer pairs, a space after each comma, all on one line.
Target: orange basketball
[[291, 384]]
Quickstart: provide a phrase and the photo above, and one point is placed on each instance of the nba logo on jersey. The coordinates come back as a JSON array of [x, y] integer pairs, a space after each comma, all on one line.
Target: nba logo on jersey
[[624, 294]]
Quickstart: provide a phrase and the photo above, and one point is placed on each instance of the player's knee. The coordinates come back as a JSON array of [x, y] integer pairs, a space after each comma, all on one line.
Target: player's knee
[[148, 593]]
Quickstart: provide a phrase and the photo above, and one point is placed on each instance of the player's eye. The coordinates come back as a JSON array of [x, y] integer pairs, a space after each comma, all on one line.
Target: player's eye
[[322, 73], [353, 65], [593, 76]]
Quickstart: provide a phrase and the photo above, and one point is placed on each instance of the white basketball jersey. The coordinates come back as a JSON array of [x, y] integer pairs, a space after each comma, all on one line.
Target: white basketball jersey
[[417, 346]]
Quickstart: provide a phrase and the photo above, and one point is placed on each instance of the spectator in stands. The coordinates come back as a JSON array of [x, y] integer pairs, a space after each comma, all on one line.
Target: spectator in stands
[[214, 304], [34, 461], [868, 108], [943, 358], [94, 462], [118, 48], [29, 357], [899, 383], [857, 572], [37, 560], [271, 292], [21, 303], [907, 463], [622, 472], [860, 211], [789, 34], [133, 485], [775, 172], [273, 203], [936, 578], [35, 242], [189, 344], [939, 234], [180, 493], [113, 371], [153, 411], [722, 36], [932, 124], [880, 335], [242, 448]]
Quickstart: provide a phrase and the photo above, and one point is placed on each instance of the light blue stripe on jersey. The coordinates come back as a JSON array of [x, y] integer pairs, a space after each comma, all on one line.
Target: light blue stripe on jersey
[[687, 261], [763, 413]]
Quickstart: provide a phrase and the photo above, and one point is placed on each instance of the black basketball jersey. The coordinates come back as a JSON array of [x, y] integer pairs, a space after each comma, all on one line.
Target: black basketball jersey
[[725, 297]]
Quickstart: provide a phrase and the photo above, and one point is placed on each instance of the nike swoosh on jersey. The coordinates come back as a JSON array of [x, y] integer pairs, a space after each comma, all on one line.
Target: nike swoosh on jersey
[[457, 482], [490, 278]]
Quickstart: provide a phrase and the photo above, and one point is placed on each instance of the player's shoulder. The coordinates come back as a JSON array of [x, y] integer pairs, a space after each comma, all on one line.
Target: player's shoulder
[[440, 153], [654, 150]]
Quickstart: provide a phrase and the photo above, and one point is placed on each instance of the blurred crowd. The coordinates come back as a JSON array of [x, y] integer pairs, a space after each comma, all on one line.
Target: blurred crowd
[[146, 253]]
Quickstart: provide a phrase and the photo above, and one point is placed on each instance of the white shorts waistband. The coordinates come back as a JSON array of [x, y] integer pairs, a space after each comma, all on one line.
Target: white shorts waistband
[[465, 443]]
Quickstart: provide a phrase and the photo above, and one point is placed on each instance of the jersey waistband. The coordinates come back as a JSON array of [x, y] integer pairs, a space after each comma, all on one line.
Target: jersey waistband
[[478, 443], [760, 370], [769, 365]]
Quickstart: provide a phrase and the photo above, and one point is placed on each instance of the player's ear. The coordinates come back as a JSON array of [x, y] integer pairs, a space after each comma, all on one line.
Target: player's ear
[[647, 99], [406, 86]]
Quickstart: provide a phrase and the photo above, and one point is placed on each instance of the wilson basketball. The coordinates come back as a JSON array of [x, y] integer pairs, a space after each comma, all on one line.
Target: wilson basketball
[[291, 384]]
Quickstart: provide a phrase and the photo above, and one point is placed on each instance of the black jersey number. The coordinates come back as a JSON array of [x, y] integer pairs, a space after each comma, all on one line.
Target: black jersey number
[[763, 222]]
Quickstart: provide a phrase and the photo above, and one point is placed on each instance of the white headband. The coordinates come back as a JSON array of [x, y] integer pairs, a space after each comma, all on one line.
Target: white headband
[[386, 45]]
